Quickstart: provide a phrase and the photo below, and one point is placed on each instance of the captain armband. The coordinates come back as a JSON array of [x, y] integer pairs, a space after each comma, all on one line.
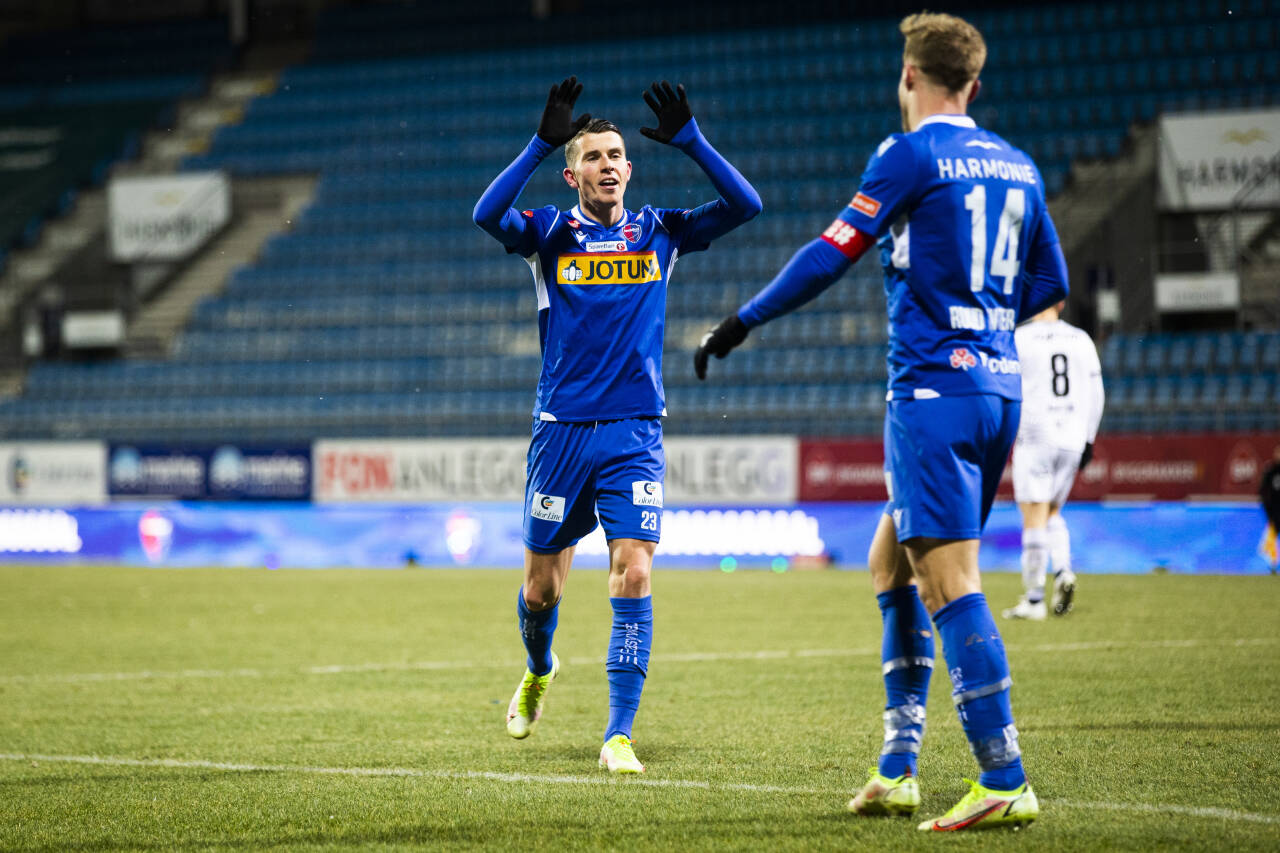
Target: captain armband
[[847, 240]]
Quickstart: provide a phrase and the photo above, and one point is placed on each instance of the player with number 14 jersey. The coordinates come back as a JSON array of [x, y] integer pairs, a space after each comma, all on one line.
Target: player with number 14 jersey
[[968, 250], [956, 209]]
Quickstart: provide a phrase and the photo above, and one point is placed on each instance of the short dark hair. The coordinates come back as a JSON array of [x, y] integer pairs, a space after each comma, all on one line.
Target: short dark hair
[[596, 125]]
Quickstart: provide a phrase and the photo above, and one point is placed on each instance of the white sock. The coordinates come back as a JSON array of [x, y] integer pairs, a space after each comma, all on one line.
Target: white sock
[[1035, 561], [1059, 543]]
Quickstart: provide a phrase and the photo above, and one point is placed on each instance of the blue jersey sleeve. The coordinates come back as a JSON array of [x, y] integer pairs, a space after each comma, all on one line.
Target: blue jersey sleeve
[[1045, 274], [738, 203], [888, 185], [494, 212], [811, 270]]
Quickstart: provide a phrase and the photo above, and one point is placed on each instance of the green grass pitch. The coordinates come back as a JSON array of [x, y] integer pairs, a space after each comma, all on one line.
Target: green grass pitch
[[249, 709]]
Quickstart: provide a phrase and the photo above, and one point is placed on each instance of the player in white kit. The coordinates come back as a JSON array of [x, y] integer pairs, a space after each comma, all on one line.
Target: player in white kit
[[1062, 400]]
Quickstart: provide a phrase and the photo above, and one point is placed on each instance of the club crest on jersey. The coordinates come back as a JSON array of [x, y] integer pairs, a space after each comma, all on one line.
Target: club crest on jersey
[[573, 223], [619, 268], [632, 232], [646, 493], [547, 507], [962, 359]]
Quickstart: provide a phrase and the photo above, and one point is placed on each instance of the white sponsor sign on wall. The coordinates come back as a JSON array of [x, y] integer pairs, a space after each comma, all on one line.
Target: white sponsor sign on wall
[[757, 470], [1206, 159], [44, 473], [410, 471], [748, 470], [1197, 291], [166, 218]]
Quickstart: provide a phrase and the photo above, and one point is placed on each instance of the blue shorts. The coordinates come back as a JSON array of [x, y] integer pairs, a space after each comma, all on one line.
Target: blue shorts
[[576, 470], [943, 459]]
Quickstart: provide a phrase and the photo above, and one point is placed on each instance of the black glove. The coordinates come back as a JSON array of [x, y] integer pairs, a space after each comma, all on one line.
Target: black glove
[[672, 108], [558, 125], [718, 342], [1087, 455]]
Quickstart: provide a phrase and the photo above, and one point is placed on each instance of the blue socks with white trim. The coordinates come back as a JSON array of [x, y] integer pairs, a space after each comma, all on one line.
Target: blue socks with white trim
[[628, 661], [536, 629], [907, 657], [980, 683]]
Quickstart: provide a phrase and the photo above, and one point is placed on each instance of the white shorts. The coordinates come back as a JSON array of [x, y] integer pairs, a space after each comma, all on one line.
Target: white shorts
[[1043, 474]]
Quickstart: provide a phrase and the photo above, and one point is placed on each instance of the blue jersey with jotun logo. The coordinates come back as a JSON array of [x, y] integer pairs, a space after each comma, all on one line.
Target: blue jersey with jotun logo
[[961, 219], [602, 300]]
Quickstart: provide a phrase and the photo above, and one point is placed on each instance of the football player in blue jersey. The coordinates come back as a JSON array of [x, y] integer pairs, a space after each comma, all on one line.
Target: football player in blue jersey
[[601, 273], [968, 250]]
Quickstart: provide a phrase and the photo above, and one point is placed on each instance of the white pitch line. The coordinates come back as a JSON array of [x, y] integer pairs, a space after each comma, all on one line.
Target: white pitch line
[[553, 779], [488, 775], [1163, 809], [675, 657]]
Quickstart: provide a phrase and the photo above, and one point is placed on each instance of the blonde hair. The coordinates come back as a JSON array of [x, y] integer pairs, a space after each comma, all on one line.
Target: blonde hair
[[949, 50]]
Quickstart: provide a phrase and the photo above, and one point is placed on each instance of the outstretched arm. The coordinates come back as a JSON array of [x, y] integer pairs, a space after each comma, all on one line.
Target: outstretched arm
[[738, 202], [494, 212], [886, 188], [815, 267]]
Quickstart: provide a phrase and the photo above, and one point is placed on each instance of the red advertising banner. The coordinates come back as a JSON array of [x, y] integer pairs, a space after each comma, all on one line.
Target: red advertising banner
[[1174, 467], [1154, 467], [842, 470]]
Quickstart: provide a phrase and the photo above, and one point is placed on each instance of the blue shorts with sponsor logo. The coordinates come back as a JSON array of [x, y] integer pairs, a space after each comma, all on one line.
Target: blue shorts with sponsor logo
[[943, 461], [577, 472]]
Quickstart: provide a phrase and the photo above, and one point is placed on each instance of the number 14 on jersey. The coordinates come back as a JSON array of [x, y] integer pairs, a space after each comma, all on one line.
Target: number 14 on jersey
[[1004, 256]]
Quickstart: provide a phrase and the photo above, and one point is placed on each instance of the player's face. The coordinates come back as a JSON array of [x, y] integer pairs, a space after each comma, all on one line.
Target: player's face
[[602, 171]]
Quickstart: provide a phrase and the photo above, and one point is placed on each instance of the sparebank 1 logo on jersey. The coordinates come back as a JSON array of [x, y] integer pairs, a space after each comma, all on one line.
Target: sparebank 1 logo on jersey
[[613, 268]]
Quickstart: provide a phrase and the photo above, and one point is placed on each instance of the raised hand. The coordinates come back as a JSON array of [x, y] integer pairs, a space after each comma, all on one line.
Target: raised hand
[[672, 109], [730, 332], [558, 125]]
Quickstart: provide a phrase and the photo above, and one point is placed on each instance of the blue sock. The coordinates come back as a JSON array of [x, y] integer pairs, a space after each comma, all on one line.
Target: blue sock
[[980, 688], [537, 629], [907, 655], [628, 660]]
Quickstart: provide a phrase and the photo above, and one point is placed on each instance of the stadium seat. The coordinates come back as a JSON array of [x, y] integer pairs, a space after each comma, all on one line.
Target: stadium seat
[[384, 287]]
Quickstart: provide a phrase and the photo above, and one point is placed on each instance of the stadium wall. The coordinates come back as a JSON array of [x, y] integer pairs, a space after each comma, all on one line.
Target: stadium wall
[[1180, 503], [1108, 538]]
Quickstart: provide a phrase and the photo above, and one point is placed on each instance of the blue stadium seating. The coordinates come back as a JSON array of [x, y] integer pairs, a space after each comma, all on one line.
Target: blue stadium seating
[[1201, 380], [96, 91], [384, 311]]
